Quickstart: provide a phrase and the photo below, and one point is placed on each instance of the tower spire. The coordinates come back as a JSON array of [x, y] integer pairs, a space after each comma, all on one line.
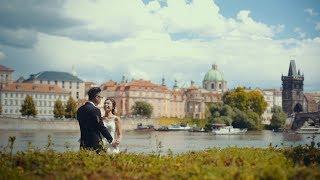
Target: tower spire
[[292, 68]]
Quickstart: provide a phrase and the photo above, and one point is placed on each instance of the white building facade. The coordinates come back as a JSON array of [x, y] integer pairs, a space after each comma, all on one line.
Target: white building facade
[[273, 97], [44, 96]]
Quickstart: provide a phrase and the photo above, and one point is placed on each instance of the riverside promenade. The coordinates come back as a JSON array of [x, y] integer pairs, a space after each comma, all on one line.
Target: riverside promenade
[[8, 123]]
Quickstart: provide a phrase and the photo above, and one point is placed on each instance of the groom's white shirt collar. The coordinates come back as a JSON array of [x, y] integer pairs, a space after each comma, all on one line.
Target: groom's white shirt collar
[[92, 103]]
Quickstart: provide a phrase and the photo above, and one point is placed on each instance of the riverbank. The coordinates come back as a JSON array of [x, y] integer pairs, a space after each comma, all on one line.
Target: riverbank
[[8, 123], [228, 163]]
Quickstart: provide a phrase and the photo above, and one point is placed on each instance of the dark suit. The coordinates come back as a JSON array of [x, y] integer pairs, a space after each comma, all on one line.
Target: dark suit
[[91, 127]]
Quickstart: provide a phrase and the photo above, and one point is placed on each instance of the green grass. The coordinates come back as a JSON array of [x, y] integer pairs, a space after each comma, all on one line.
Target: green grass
[[302, 162], [228, 163]]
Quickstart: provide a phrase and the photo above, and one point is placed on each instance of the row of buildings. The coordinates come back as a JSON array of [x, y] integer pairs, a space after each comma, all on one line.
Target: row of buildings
[[48, 86], [45, 88], [188, 101]]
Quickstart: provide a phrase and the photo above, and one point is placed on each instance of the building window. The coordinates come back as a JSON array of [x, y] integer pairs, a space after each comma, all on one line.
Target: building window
[[77, 95], [5, 94], [5, 102], [220, 86], [62, 84], [48, 82], [212, 86], [11, 95], [77, 85], [56, 82], [40, 81], [6, 111]]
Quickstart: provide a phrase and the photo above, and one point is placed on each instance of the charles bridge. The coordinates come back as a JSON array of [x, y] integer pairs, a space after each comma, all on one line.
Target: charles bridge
[[302, 117]]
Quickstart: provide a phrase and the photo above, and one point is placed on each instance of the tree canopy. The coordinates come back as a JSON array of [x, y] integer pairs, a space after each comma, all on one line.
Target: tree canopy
[[142, 108], [58, 110], [71, 108], [28, 107]]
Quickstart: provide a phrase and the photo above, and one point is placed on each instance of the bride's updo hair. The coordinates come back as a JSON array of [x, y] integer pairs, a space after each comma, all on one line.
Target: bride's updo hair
[[113, 105]]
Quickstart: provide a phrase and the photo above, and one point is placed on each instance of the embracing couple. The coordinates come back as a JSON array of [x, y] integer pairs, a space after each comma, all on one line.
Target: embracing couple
[[97, 132]]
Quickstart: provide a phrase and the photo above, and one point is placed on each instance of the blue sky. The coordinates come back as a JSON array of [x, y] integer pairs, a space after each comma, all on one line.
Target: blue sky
[[252, 42], [291, 13]]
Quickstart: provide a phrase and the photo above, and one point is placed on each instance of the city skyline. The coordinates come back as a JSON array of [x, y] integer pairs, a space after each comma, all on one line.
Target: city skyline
[[150, 40]]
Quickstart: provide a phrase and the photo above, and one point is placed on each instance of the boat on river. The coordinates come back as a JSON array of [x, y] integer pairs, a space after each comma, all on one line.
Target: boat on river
[[228, 130], [308, 130], [181, 127], [141, 127]]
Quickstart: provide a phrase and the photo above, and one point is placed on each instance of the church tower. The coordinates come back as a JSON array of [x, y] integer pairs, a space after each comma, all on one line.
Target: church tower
[[292, 90]]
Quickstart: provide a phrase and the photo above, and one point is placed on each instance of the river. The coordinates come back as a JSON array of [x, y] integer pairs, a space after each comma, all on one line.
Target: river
[[156, 141]]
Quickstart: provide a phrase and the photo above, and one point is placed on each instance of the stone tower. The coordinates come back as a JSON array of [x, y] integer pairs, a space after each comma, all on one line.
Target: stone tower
[[292, 90]]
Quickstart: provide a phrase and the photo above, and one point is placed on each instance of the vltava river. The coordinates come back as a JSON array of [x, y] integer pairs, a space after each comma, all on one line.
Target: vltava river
[[156, 141]]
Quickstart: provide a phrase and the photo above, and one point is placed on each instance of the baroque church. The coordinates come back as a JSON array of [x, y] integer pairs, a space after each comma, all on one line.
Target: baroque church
[[191, 101]]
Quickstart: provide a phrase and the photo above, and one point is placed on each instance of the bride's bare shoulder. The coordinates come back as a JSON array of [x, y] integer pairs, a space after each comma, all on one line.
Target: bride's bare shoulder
[[116, 118]]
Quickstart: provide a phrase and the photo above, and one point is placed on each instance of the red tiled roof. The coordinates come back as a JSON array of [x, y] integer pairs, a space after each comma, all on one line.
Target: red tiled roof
[[31, 87], [134, 85], [4, 68]]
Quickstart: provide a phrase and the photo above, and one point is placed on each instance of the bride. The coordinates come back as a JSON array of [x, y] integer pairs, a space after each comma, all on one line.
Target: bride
[[113, 124]]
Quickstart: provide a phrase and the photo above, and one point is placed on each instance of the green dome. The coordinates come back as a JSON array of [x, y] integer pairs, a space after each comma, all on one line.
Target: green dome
[[213, 75]]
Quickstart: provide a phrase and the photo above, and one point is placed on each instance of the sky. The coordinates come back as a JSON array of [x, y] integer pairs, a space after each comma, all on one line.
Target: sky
[[252, 42]]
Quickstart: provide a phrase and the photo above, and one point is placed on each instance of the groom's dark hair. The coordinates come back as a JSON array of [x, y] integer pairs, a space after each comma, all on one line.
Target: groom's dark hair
[[92, 93]]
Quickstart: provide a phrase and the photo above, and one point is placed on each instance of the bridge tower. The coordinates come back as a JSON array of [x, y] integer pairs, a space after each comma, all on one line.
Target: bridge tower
[[292, 90]]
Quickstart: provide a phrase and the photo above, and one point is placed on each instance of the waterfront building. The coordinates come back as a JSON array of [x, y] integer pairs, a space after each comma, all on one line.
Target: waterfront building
[[65, 80], [44, 96], [273, 97], [176, 102], [5, 75], [312, 101]]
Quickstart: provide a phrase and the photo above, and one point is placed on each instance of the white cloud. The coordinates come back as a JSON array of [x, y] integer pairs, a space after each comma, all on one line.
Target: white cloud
[[243, 48], [299, 32], [311, 12]]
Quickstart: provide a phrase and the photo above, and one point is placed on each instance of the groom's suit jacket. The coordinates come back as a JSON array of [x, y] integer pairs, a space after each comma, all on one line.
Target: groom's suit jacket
[[91, 127]]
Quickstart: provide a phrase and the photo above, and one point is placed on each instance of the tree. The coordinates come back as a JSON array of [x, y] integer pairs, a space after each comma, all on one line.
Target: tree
[[250, 120], [58, 110], [142, 108], [28, 107], [245, 100], [215, 110], [278, 118], [71, 108], [237, 98], [256, 102]]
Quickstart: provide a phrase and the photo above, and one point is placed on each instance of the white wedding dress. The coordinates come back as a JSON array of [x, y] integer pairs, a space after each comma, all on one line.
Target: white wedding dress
[[111, 126]]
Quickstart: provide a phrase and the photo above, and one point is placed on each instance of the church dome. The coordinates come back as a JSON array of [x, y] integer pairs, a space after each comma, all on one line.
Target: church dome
[[213, 74]]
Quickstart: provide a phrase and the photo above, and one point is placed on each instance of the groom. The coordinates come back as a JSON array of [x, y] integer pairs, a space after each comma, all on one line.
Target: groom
[[91, 124]]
